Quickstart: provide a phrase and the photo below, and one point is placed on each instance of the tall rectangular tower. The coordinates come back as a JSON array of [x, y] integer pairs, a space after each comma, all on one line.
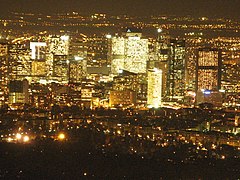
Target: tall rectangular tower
[[3, 73], [154, 97], [176, 70], [208, 70], [129, 53]]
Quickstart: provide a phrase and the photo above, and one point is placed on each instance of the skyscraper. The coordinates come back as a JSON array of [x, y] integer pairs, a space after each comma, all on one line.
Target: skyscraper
[[57, 52], [3, 73], [176, 70], [19, 62], [129, 52], [154, 95], [208, 71]]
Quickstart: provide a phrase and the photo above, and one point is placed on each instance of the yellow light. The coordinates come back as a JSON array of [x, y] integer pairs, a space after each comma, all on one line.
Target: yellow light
[[61, 136], [9, 139], [26, 139], [119, 132], [18, 136]]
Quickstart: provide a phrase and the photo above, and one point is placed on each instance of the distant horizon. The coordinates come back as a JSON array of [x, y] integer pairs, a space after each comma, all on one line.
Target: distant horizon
[[197, 8]]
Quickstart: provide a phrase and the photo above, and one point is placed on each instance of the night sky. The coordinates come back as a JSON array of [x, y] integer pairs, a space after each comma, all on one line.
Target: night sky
[[196, 8]]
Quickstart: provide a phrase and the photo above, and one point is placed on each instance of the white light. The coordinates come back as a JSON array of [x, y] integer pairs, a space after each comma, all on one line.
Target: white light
[[77, 58], [222, 90], [120, 71], [67, 61], [159, 30], [18, 136], [64, 38], [108, 36]]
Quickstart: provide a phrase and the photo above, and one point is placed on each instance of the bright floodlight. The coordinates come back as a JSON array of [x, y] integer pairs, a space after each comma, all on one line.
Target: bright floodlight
[[159, 30], [61, 136], [77, 58], [26, 139], [18, 136], [64, 38]]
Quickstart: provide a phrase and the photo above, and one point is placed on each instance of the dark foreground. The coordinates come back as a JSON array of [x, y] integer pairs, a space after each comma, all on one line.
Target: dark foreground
[[64, 160]]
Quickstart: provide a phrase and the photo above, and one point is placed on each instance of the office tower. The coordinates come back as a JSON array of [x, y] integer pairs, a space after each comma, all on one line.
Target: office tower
[[129, 52], [58, 45], [38, 50], [230, 76], [125, 98], [137, 83], [163, 55], [176, 70], [18, 93], [208, 73], [57, 52], [3, 73], [77, 69], [193, 43], [38, 61], [125, 80], [19, 62], [60, 68], [154, 95], [77, 58], [97, 51]]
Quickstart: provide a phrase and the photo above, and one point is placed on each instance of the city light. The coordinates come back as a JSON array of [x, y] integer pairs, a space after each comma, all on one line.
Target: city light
[[61, 136], [108, 36], [26, 139], [18, 136], [146, 89], [159, 30], [64, 38], [77, 58]]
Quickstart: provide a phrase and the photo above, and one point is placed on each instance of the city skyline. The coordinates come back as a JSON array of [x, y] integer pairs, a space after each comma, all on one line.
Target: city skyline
[[119, 89]]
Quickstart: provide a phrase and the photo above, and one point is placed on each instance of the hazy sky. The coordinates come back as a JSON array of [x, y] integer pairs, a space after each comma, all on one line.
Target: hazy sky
[[220, 8]]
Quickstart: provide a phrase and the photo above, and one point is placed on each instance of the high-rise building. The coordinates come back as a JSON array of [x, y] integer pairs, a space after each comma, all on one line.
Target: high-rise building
[[131, 81], [154, 95], [176, 70], [77, 69], [129, 52], [38, 50], [19, 62], [38, 61], [3, 73], [97, 51], [208, 71], [57, 52], [18, 92]]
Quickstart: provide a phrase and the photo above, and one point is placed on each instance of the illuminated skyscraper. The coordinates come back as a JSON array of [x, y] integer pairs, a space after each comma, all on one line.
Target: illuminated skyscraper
[[60, 68], [57, 52], [38, 50], [154, 96], [176, 70], [3, 73], [18, 92], [208, 73], [129, 53], [38, 58], [19, 62], [77, 69], [97, 51]]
